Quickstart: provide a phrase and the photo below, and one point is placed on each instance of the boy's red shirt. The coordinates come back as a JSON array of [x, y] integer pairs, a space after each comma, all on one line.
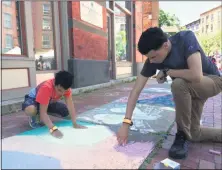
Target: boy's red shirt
[[46, 92]]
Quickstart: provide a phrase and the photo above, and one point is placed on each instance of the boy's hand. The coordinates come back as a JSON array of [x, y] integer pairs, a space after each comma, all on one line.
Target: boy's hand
[[57, 134], [75, 125]]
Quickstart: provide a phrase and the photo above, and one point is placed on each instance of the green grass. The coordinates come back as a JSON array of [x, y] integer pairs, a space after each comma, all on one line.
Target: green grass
[[158, 146]]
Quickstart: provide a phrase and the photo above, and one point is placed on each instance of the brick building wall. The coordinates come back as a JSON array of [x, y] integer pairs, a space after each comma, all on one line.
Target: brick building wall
[[89, 45], [142, 10], [9, 10], [138, 28]]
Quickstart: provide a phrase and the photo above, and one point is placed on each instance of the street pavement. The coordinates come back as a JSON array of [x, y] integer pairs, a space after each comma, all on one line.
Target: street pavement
[[102, 112]]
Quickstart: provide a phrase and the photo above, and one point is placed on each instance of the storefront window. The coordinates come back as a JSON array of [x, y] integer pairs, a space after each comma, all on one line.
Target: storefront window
[[121, 37], [11, 31], [124, 4], [108, 4], [43, 36]]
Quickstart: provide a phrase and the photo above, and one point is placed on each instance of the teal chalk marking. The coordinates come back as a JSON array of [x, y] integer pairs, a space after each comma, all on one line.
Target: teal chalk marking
[[64, 123]]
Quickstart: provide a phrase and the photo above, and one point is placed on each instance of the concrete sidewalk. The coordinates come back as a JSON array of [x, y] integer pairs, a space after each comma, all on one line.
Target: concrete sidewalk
[[114, 98]]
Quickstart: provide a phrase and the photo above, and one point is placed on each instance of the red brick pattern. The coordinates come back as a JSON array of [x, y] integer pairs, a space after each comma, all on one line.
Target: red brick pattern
[[142, 22], [138, 27], [89, 46], [199, 156]]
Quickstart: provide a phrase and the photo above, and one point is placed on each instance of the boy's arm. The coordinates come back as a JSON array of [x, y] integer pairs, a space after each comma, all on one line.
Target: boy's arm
[[71, 108], [72, 111], [47, 121], [45, 117], [134, 95]]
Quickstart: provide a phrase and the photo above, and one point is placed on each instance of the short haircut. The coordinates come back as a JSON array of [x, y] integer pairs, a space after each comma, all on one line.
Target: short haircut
[[151, 39], [64, 79]]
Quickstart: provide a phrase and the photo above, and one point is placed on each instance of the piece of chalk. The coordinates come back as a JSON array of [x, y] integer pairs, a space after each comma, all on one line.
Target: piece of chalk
[[215, 152]]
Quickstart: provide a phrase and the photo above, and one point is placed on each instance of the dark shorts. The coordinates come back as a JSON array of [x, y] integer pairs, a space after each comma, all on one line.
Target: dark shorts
[[54, 108]]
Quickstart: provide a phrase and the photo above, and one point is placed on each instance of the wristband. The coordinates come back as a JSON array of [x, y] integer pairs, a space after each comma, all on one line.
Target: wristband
[[54, 128], [128, 121]]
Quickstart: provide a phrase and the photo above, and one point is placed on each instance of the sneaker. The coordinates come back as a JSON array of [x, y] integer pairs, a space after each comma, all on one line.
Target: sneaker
[[34, 121], [179, 149]]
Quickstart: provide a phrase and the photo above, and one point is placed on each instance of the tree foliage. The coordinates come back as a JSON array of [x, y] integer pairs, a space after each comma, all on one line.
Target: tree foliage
[[210, 43], [121, 45], [166, 19]]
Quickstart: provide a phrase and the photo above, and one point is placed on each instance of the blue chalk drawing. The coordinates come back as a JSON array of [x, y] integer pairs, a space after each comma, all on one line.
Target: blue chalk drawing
[[71, 136], [22, 160], [162, 100], [156, 90], [64, 123]]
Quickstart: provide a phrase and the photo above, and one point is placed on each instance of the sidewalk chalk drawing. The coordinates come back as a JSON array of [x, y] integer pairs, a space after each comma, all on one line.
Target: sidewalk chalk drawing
[[151, 108], [78, 147], [157, 90], [142, 96], [22, 160]]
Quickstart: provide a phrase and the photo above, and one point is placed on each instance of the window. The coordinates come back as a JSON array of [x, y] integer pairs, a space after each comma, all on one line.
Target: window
[[122, 28], [124, 4], [43, 35], [45, 41], [11, 32], [46, 9], [8, 41], [108, 4], [202, 20], [7, 20], [211, 28], [207, 26], [7, 3], [46, 24], [207, 18], [212, 17]]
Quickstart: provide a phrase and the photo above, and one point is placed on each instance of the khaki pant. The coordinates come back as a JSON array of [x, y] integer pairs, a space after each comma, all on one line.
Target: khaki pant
[[189, 100]]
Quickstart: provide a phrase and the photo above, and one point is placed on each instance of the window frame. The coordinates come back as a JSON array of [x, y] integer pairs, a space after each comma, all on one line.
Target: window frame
[[7, 3], [9, 21], [44, 46], [52, 28], [23, 35], [6, 36], [43, 10], [128, 24], [49, 24]]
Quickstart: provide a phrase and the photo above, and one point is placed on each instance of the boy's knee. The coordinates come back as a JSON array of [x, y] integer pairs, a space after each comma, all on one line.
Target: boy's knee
[[178, 85], [65, 112], [31, 110]]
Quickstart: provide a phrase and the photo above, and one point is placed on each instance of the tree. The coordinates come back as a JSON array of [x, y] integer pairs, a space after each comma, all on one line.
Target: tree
[[121, 45], [166, 19], [210, 43]]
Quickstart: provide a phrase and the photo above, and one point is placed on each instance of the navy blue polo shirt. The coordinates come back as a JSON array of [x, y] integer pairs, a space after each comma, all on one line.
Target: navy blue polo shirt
[[184, 44]]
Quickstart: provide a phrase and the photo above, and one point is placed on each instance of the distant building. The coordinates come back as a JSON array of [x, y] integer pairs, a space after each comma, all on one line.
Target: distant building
[[211, 21], [194, 26], [170, 30]]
